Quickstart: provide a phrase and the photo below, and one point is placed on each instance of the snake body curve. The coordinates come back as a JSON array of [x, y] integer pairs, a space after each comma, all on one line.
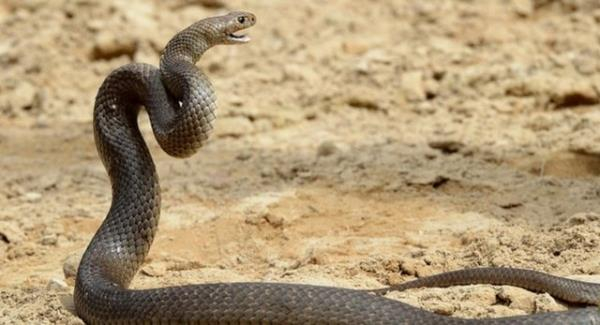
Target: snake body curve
[[181, 103]]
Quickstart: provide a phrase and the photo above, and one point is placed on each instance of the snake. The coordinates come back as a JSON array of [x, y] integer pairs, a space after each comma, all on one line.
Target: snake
[[180, 102]]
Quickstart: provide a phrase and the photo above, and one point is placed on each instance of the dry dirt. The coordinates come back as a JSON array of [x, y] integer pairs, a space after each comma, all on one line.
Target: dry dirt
[[359, 144]]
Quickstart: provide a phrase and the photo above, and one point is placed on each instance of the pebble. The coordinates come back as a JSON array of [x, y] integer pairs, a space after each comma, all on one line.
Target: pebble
[[209, 3], [108, 45], [412, 86], [582, 218], [365, 99], [25, 96], [154, 270], [70, 265], [355, 48], [274, 220], [49, 240], [442, 308], [446, 146], [255, 215], [484, 295], [545, 303], [57, 285], [257, 208], [508, 200], [411, 267], [517, 298], [327, 148], [523, 8], [11, 233], [571, 94], [429, 177], [32, 197]]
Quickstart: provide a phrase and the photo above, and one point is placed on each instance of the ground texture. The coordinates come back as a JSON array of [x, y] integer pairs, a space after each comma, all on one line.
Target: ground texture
[[358, 144]]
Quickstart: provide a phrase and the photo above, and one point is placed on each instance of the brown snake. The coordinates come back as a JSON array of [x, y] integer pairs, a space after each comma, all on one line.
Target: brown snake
[[181, 103]]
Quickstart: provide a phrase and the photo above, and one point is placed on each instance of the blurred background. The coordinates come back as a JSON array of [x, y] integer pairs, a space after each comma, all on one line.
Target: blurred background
[[358, 144]]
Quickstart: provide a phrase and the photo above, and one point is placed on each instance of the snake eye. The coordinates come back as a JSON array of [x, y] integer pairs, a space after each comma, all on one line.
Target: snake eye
[[241, 19]]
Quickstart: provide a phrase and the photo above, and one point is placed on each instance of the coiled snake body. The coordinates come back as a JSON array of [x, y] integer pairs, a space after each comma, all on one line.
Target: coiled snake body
[[181, 104]]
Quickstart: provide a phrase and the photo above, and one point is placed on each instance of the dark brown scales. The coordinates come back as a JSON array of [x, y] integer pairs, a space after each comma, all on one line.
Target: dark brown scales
[[181, 105]]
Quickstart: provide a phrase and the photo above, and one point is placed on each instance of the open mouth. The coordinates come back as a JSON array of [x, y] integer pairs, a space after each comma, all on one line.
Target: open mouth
[[238, 37]]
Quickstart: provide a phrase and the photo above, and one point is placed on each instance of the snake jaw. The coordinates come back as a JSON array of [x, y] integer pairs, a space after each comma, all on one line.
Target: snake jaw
[[236, 21], [234, 38]]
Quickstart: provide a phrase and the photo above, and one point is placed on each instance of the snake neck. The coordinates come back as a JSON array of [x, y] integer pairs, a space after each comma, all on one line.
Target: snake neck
[[177, 49], [181, 54]]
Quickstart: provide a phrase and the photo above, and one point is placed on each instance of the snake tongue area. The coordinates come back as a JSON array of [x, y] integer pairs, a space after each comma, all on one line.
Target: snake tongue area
[[239, 38]]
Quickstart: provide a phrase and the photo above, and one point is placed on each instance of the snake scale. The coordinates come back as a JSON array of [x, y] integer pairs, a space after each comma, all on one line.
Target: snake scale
[[181, 103]]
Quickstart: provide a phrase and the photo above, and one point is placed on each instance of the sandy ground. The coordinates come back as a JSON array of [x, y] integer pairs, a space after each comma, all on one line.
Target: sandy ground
[[359, 144]]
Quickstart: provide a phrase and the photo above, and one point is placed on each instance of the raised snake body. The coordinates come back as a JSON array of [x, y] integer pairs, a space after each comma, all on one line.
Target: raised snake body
[[181, 104]]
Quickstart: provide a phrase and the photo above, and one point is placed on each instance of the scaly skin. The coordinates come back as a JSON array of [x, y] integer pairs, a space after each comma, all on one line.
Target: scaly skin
[[181, 105]]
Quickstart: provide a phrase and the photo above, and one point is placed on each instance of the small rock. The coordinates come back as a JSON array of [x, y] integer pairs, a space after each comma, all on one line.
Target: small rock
[[368, 59], [545, 303], [517, 298], [394, 279], [427, 178], [209, 3], [412, 86], [108, 45], [95, 25], [57, 285], [446, 146], [355, 48], [508, 200], [49, 240], [569, 94], [483, 295], [410, 266], [442, 308], [11, 233], [274, 220], [327, 148], [365, 99], [256, 209], [432, 88], [362, 66], [233, 127], [255, 215], [49, 180], [154, 270], [32, 197], [582, 218], [25, 96], [243, 156], [523, 8], [70, 265], [24, 249]]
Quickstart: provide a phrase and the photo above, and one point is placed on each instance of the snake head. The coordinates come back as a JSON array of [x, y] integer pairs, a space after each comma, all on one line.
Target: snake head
[[232, 23]]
